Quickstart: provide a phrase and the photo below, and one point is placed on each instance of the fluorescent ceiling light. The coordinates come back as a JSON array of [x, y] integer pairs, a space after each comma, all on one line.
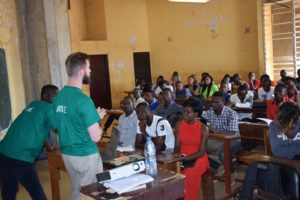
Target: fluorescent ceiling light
[[190, 1]]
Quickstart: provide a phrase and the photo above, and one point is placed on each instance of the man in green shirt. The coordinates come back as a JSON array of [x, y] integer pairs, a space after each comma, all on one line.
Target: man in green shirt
[[77, 125], [22, 144]]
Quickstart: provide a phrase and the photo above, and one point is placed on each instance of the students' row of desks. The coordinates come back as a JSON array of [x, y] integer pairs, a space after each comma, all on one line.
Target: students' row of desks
[[254, 131]]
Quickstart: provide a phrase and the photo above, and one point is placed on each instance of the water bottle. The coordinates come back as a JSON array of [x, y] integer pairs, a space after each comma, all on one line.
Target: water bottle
[[150, 158]]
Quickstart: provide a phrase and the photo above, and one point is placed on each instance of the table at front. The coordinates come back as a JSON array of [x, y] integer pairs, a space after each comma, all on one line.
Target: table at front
[[56, 163], [166, 185]]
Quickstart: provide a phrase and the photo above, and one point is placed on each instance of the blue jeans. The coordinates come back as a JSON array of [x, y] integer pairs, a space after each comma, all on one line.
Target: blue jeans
[[13, 171], [235, 147]]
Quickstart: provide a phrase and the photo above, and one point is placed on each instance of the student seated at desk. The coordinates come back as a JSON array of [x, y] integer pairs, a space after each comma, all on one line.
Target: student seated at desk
[[149, 97], [221, 119], [279, 98], [242, 99], [192, 84], [226, 81], [137, 97], [283, 75], [208, 88], [285, 131], [293, 93], [285, 142], [158, 128], [169, 110], [253, 83], [127, 124], [182, 92], [236, 83], [191, 139], [266, 92], [224, 89]]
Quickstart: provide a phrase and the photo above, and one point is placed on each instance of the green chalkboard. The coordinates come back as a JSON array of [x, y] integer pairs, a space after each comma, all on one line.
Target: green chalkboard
[[5, 105]]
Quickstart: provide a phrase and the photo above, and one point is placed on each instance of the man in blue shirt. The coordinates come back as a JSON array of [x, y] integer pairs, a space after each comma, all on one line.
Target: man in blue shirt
[[148, 94], [169, 110]]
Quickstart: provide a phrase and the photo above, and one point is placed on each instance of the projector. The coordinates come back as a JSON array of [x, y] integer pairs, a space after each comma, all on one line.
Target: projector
[[121, 172]]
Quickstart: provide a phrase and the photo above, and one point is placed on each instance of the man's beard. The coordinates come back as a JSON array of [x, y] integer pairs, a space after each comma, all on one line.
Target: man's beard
[[86, 79]]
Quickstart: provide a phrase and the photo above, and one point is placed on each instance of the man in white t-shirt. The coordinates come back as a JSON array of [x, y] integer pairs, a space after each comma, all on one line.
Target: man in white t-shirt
[[127, 123], [266, 92], [242, 99], [158, 128], [137, 97]]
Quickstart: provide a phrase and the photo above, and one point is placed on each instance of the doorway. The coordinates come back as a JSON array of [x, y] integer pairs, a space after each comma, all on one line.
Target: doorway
[[100, 83], [142, 68]]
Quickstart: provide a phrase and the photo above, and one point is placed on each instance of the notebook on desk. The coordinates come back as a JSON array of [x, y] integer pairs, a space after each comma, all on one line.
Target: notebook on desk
[[111, 152]]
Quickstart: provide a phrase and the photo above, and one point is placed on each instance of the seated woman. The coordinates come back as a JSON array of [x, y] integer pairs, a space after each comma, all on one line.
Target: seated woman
[[226, 81], [208, 88], [182, 92], [191, 139], [285, 141], [192, 84], [285, 131]]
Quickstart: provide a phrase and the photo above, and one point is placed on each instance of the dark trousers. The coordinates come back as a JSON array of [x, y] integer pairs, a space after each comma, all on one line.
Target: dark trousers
[[13, 171], [265, 176]]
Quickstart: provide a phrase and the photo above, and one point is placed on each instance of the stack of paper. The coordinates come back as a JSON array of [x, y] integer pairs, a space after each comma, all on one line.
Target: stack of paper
[[131, 183], [125, 149]]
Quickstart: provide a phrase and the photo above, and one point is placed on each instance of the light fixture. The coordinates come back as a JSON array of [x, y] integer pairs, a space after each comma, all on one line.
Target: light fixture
[[190, 1]]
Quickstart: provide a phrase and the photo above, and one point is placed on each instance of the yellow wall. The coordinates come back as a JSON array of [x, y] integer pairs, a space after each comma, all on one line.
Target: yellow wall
[[189, 38], [181, 38], [9, 41], [124, 19]]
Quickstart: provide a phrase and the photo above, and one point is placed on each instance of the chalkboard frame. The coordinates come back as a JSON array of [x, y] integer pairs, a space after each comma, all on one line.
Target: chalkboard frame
[[5, 103]]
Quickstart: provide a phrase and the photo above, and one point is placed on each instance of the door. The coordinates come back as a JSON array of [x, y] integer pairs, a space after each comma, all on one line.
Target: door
[[142, 68], [100, 83]]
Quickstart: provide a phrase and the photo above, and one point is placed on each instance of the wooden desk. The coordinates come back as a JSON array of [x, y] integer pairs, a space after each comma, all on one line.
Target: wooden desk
[[56, 163], [115, 112], [166, 185], [256, 132], [250, 110], [128, 93], [264, 158], [227, 157]]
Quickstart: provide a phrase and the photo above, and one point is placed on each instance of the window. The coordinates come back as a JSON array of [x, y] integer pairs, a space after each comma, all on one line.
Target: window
[[281, 29]]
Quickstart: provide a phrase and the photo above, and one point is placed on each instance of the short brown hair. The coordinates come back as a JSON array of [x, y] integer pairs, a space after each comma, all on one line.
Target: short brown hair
[[75, 62]]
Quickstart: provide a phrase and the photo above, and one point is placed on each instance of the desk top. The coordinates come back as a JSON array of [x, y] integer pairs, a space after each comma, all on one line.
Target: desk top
[[166, 185], [162, 157], [264, 158], [115, 112]]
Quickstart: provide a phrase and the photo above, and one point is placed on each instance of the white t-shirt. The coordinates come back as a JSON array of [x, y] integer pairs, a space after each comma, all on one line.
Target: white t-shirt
[[247, 104], [127, 128], [163, 128], [263, 95]]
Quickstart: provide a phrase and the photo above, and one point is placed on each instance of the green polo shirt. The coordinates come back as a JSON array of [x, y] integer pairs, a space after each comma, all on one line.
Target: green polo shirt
[[74, 113], [26, 136]]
